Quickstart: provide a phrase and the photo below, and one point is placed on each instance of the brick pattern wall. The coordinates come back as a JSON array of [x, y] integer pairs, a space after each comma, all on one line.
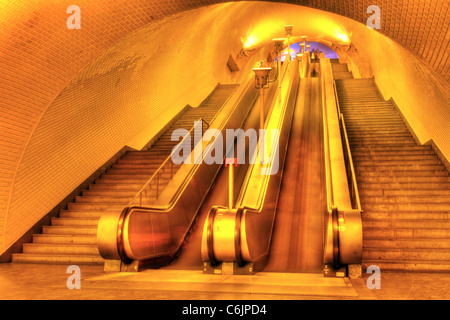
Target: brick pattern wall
[[420, 26], [139, 80], [39, 57]]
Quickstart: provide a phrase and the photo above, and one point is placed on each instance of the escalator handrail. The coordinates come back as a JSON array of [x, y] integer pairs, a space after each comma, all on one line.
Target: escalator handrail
[[326, 139], [353, 185], [165, 208], [139, 193], [242, 209], [330, 224], [258, 208], [159, 170]]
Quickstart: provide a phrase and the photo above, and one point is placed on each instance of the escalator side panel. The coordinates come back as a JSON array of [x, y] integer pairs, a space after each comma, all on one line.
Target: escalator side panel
[[257, 227]]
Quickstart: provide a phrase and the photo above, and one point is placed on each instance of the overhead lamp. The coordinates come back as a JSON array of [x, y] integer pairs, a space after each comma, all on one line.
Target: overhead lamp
[[245, 52], [261, 77], [288, 29], [279, 44], [261, 83]]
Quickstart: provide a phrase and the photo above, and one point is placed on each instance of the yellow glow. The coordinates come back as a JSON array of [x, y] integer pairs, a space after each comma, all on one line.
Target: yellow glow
[[250, 42], [263, 31], [341, 36]]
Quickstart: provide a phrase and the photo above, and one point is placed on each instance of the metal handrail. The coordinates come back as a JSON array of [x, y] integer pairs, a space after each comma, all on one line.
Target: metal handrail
[[351, 176], [158, 171], [326, 139]]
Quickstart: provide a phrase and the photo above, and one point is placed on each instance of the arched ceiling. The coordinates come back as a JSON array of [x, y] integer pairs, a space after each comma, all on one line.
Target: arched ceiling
[[39, 55]]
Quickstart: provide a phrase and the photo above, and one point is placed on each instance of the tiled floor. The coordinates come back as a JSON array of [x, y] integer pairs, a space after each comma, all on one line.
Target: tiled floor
[[46, 282]]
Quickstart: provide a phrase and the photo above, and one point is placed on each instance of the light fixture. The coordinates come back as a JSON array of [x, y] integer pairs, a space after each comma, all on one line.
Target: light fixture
[[261, 83], [279, 44], [303, 44], [245, 52], [288, 29], [261, 77]]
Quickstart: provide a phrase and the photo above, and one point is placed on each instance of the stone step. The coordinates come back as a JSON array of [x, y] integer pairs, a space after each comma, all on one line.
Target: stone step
[[58, 259], [380, 142], [348, 109], [386, 254], [375, 104], [110, 193], [151, 154], [373, 123], [90, 239], [142, 166], [342, 75], [409, 266], [355, 128], [164, 171], [406, 233], [81, 214], [411, 167], [407, 223], [402, 179], [364, 192], [342, 67], [404, 186], [370, 215], [42, 248], [102, 199], [75, 222], [112, 186], [363, 114], [69, 230], [359, 97], [378, 131], [134, 179], [407, 244], [411, 199], [367, 137], [395, 158], [405, 204], [394, 173], [142, 162], [93, 206], [378, 134], [395, 149], [353, 125]]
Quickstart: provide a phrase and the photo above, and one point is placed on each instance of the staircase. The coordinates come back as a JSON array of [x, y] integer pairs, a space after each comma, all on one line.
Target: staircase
[[403, 186], [72, 237], [340, 71]]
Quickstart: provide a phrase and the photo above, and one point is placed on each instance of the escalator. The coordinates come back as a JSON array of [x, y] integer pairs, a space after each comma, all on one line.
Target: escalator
[[297, 240], [189, 257], [239, 238], [285, 217], [72, 236], [299, 219], [165, 233]]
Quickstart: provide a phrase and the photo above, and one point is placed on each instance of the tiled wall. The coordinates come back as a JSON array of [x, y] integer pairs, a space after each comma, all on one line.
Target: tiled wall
[[422, 97], [141, 82], [39, 57]]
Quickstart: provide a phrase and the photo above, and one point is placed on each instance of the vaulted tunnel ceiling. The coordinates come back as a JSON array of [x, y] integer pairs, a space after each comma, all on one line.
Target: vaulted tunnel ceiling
[[39, 56]]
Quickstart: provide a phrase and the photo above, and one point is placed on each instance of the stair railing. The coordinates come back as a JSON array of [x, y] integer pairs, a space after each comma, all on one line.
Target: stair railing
[[156, 177], [351, 176]]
